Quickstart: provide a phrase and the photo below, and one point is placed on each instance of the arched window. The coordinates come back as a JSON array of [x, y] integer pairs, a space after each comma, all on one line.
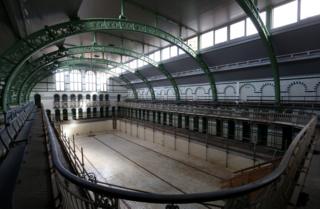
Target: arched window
[[75, 80], [102, 79], [64, 98], [59, 81], [73, 97], [56, 98], [90, 81], [57, 115]]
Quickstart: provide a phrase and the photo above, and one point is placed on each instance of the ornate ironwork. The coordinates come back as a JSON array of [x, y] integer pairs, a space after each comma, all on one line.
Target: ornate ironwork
[[53, 56], [15, 57], [250, 9], [66, 63]]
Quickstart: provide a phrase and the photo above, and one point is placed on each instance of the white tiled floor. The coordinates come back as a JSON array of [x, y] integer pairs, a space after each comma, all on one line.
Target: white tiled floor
[[119, 159]]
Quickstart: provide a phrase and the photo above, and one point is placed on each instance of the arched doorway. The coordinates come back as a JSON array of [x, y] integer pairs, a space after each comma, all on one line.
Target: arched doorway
[[65, 114], [49, 114], [80, 100], [245, 92], [64, 101], [57, 115], [101, 112], [74, 114], [89, 112], [56, 99], [118, 97], [94, 112], [80, 113], [37, 100]]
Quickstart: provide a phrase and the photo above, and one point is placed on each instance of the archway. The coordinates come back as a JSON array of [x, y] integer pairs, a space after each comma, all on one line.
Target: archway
[[57, 115], [245, 92], [80, 113], [229, 93], [37, 100], [65, 114], [74, 114], [48, 112], [101, 112], [88, 112], [267, 92], [297, 92]]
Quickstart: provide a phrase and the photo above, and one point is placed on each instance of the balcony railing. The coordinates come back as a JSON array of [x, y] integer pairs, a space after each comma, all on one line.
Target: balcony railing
[[81, 104], [271, 191], [300, 119]]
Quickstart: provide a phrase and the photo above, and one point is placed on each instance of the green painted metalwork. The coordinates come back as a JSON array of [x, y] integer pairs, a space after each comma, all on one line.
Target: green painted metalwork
[[89, 61], [35, 79], [29, 67], [250, 9], [53, 66], [122, 6], [34, 82], [14, 58]]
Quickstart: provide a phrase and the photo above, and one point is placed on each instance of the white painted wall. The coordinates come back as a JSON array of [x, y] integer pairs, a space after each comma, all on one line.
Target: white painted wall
[[182, 144], [296, 87], [87, 128]]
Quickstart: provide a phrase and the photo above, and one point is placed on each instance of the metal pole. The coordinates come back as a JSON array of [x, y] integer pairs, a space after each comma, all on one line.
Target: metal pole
[[82, 160], [227, 154], [74, 145], [122, 8]]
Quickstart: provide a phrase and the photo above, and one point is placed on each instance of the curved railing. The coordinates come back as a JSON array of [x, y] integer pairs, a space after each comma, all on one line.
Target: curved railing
[[296, 119], [271, 191]]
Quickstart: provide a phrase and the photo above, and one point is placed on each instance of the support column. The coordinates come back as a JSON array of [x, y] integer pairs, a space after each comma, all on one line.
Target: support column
[[183, 121], [274, 137], [254, 133], [238, 134], [151, 116], [161, 118], [200, 121], [175, 120], [225, 128], [212, 129], [191, 123]]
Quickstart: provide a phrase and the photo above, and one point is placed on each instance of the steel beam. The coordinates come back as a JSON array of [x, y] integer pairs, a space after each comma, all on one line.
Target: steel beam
[[252, 12], [51, 57], [21, 51], [71, 62], [97, 48]]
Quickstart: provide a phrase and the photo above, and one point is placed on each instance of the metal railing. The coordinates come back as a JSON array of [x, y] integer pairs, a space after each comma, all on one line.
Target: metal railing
[[80, 104], [253, 99], [297, 119], [272, 191]]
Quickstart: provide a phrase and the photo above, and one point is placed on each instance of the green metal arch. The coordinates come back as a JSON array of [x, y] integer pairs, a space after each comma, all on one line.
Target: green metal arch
[[50, 69], [43, 60], [250, 9], [74, 61], [14, 58], [33, 84]]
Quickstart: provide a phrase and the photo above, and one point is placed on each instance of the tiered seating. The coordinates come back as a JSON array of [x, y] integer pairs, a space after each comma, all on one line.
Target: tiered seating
[[17, 126], [13, 142]]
